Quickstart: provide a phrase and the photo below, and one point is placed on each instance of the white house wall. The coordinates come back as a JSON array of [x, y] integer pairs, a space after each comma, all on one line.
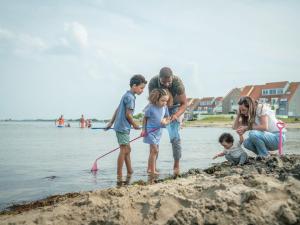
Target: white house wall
[[294, 104]]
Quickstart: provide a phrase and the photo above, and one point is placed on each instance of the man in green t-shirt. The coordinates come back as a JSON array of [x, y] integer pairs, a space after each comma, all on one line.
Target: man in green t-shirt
[[167, 80]]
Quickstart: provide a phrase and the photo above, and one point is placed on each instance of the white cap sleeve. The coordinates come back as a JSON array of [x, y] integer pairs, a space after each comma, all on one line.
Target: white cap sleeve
[[262, 109]]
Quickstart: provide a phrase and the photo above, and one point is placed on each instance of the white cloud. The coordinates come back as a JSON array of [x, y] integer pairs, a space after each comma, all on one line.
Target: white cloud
[[30, 42], [77, 34], [212, 46], [102, 65], [6, 35], [21, 44], [122, 22], [74, 41]]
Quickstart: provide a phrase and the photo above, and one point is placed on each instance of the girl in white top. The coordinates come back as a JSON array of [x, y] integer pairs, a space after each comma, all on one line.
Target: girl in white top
[[262, 123]]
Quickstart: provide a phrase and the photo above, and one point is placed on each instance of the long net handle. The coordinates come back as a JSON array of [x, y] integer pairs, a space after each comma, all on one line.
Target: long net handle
[[129, 142]]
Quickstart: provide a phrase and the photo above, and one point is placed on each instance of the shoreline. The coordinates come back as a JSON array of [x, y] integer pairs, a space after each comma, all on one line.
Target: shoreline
[[229, 125], [260, 192], [186, 124]]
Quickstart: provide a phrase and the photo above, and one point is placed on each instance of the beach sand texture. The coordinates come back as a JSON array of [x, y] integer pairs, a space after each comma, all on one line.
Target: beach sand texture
[[261, 192]]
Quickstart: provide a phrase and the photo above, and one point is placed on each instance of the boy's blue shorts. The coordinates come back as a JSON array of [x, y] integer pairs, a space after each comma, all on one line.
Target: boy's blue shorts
[[123, 138]]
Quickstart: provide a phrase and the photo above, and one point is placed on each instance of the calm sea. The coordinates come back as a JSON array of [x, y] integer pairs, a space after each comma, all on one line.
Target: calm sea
[[37, 159]]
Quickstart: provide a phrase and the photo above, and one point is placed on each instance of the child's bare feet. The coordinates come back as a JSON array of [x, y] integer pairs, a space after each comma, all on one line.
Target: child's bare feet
[[129, 173], [119, 181], [154, 173], [128, 179], [176, 171]]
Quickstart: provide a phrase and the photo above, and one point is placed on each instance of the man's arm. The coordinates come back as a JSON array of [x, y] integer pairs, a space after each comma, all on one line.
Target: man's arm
[[183, 104]]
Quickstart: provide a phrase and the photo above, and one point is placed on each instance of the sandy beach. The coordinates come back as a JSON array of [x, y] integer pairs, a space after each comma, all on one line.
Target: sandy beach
[[261, 192]]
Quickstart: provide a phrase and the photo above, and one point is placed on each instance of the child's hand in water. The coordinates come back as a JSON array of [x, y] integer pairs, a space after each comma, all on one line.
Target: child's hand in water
[[165, 121]]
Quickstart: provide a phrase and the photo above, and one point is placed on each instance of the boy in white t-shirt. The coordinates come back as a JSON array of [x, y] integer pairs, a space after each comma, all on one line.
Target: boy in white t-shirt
[[233, 153]]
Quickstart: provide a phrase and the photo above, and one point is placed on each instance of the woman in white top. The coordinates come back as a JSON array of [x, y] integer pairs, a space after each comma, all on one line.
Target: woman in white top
[[262, 123]]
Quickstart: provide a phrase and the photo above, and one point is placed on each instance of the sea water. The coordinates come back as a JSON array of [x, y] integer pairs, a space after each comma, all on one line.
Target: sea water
[[38, 159]]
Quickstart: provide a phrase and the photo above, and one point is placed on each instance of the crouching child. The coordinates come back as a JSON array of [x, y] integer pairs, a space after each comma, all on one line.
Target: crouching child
[[233, 153]]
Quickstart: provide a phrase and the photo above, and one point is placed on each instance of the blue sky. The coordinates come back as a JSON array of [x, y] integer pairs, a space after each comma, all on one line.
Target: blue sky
[[76, 57]]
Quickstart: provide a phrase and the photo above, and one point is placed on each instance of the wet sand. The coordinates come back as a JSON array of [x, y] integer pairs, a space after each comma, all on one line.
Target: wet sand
[[260, 192]]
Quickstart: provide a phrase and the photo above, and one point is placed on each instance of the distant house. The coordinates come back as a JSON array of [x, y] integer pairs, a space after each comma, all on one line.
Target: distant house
[[293, 98], [229, 103], [192, 108], [206, 105], [218, 105], [284, 97]]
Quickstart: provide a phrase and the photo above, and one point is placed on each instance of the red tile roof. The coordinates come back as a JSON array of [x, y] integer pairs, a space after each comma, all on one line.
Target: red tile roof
[[206, 99], [255, 91], [292, 89], [219, 99], [246, 90], [193, 103], [272, 85]]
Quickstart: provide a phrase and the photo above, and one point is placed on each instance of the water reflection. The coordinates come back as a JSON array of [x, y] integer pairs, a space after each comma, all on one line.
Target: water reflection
[[152, 178], [123, 182]]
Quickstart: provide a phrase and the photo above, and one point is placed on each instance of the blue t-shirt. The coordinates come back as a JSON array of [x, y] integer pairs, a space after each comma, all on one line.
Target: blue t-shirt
[[154, 115], [127, 102]]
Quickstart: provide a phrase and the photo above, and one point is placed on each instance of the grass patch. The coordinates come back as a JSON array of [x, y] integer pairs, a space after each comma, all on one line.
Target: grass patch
[[223, 119], [209, 119], [290, 120], [216, 119]]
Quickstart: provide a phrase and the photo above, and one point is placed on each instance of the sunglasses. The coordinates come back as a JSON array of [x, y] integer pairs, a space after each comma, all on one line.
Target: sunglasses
[[244, 101]]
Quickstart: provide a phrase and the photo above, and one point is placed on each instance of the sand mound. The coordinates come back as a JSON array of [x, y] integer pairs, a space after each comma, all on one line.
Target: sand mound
[[261, 192]]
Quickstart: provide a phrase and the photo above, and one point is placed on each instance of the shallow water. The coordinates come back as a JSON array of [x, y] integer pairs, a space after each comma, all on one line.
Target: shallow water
[[37, 159]]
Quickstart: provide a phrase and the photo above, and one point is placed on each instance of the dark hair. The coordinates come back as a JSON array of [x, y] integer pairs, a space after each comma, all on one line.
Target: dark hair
[[251, 104], [226, 137], [165, 72], [157, 93], [137, 80]]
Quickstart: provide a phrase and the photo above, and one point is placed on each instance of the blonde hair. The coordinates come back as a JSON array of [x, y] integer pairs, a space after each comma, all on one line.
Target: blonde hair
[[157, 93], [251, 105]]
